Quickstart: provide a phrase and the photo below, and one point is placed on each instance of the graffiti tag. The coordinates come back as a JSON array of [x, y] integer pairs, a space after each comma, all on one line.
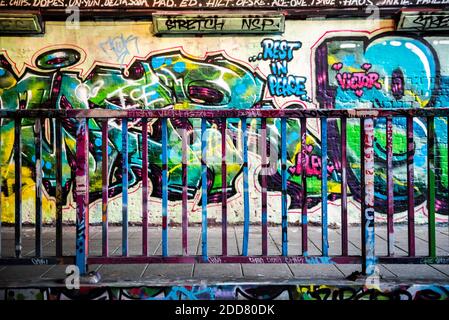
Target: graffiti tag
[[280, 82], [357, 81]]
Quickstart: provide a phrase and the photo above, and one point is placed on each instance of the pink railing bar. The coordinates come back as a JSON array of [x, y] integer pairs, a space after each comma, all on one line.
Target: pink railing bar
[[224, 191], [218, 259], [38, 168], [18, 186], [145, 186], [344, 189], [82, 194], [227, 113], [362, 191], [367, 195], [59, 192], [431, 205], [105, 186], [390, 194], [264, 171], [1, 181], [410, 188], [304, 221], [185, 221]]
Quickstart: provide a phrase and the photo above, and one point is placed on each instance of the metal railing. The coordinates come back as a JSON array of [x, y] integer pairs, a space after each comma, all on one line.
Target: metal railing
[[78, 119]]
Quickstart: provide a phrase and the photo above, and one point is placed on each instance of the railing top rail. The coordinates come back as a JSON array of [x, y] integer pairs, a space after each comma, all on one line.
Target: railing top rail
[[229, 113]]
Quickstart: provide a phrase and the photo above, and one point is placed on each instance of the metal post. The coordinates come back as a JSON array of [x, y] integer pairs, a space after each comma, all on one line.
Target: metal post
[[245, 189], [185, 218], [264, 171], [82, 195], [224, 191], [144, 186], [125, 184], [431, 185], [18, 185], [410, 188], [304, 221], [284, 186], [38, 167], [59, 189], [368, 237], [344, 188], [324, 189], [203, 189], [105, 187], [164, 188], [1, 120], [390, 186]]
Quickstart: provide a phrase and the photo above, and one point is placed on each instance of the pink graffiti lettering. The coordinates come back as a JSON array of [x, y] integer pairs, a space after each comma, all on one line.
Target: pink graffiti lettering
[[312, 166], [357, 81]]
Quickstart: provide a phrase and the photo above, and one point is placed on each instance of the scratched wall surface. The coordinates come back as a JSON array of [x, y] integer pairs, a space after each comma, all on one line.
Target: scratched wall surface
[[121, 65]]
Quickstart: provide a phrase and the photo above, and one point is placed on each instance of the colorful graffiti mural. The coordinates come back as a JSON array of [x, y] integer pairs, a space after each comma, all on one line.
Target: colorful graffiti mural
[[234, 292], [383, 70], [388, 71], [169, 80]]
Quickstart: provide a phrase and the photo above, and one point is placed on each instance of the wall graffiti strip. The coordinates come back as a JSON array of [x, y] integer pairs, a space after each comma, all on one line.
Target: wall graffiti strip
[[234, 292]]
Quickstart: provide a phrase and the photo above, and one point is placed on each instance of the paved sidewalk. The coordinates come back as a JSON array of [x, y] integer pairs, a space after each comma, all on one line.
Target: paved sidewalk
[[147, 274]]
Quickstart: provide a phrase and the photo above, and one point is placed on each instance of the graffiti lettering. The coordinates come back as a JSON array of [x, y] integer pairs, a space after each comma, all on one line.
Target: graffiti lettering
[[357, 81], [200, 4], [280, 83], [19, 3], [287, 86], [120, 46], [39, 261], [48, 3], [428, 21], [255, 260], [200, 24], [89, 3], [214, 259], [259, 24], [312, 165], [279, 49]]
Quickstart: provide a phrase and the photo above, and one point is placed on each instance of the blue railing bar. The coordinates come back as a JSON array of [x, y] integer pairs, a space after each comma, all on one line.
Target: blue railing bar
[[164, 188], [284, 186], [324, 189], [245, 188], [125, 187], [204, 188]]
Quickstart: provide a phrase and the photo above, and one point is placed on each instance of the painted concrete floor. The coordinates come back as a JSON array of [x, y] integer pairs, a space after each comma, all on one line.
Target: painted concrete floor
[[160, 274]]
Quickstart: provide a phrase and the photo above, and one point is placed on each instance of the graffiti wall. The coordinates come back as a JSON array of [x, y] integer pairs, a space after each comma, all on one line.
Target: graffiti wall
[[121, 65], [234, 292]]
